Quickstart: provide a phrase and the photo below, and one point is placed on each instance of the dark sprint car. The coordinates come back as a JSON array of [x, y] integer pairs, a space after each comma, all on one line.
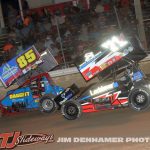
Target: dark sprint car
[[127, 86]]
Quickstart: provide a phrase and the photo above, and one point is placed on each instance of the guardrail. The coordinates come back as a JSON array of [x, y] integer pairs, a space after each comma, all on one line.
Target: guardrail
[[63, 72]]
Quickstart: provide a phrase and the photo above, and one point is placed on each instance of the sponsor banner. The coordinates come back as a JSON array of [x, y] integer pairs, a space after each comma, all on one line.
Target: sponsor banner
[[18, 66]]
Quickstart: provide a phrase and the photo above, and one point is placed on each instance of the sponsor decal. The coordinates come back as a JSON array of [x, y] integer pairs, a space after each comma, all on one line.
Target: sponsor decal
[[37, 101], [88, 56], [101, 89], [8, 71], [14, 139], [27, 58], [103, 66], [19, 95]]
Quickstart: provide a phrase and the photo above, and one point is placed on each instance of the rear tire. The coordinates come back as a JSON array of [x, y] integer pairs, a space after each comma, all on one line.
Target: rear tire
[[47, 104], [139, 99], [71, 110]]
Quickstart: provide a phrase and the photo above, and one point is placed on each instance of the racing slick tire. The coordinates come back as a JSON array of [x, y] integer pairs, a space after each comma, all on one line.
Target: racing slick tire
[[47, 104], [139, 99], [71, 110]]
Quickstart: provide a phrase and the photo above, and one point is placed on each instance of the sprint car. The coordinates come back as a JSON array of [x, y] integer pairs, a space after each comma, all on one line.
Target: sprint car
[[118, 61], [35, 93], [36, 89], [131, 90]]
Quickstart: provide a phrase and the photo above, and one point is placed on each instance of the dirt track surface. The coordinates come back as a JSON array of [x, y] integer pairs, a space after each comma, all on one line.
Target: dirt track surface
[[117, 123]]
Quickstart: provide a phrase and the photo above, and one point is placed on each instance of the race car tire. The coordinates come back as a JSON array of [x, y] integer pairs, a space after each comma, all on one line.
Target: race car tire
[[139, 99], [47, 104], [71, 110]]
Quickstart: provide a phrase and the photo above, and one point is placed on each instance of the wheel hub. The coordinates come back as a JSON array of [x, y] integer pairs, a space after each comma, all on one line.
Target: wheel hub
[[140, 98], [47, 105], [71, 110]]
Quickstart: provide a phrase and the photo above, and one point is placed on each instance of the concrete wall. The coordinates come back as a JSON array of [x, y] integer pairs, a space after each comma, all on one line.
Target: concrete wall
[[61, 1], [41, 3]]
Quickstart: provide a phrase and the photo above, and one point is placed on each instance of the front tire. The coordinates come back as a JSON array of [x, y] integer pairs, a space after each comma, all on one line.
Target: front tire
[[71, 110], [139, 99], [47, 104]]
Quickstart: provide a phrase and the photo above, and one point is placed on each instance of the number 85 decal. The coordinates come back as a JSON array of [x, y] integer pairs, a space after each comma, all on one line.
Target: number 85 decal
[[27, 58]]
